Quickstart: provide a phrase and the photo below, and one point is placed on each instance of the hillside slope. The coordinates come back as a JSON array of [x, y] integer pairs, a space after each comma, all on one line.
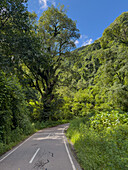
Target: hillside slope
[[100, 137], [103, 69]]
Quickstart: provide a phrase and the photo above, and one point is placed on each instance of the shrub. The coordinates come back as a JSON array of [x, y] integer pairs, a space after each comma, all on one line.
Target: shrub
[[107, 119], [107, 149], [14, 120]]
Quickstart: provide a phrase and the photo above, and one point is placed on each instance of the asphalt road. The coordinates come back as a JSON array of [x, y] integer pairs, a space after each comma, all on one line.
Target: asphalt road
[[47, 149]]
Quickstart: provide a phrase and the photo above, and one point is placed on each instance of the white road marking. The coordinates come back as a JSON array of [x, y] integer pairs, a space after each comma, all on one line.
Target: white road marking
[[70, 158], [20, 146], [34, 156], [15, 148], [48, 135]]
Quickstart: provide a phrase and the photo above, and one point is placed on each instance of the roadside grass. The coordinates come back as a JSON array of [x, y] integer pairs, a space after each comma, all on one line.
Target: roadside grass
[[105, 150], [17, 136]]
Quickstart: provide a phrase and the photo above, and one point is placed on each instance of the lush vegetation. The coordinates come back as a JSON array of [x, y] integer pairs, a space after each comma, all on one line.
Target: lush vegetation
[[98, 79], [44, 81], [31, 55], [105, 147], [101, 136]]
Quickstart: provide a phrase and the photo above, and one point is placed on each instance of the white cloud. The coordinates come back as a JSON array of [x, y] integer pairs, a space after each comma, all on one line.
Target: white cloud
[[76, 42], [44, 3], [87, 42]]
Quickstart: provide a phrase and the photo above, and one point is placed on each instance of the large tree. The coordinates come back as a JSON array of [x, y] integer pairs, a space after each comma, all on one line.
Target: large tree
[[50, 44]]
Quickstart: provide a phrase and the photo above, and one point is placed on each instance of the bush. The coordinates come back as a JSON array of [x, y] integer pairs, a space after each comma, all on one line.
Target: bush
[[106, 149], [1, 148], [14, 119], [107, 119]]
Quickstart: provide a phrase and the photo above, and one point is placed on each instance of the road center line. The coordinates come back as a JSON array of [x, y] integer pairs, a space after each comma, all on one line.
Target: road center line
[[34, 156], [70, 158]]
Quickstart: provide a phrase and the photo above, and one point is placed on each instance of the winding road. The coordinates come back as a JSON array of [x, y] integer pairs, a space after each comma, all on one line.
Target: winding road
[[47, 149]]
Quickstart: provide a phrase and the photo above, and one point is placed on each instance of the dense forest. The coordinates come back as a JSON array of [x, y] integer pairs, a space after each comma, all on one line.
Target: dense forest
[[100, 98], [32, 57], [44, 79]]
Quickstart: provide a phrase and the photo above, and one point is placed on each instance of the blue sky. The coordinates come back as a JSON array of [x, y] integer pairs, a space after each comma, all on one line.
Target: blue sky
[[92, 16]]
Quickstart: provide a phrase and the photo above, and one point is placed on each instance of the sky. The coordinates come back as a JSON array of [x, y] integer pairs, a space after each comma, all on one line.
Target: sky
[[91, 16]]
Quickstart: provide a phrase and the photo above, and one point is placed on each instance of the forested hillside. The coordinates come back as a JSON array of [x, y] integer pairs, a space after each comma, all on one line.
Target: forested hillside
[[101, 82], [100, 137], [43, 78]]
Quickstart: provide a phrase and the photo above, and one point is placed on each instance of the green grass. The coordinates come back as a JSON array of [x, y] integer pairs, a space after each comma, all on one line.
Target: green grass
[[106, 150]]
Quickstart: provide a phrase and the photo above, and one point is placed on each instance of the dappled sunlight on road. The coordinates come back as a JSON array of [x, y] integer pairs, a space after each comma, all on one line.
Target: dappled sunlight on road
[[50, 136]]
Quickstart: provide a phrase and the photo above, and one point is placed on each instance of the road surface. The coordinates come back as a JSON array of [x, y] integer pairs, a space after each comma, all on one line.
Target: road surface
[[45, 150]]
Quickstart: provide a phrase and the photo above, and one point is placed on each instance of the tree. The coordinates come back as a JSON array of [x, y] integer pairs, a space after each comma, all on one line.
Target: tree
[[14, 31], [50, 45], [14, 25]]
